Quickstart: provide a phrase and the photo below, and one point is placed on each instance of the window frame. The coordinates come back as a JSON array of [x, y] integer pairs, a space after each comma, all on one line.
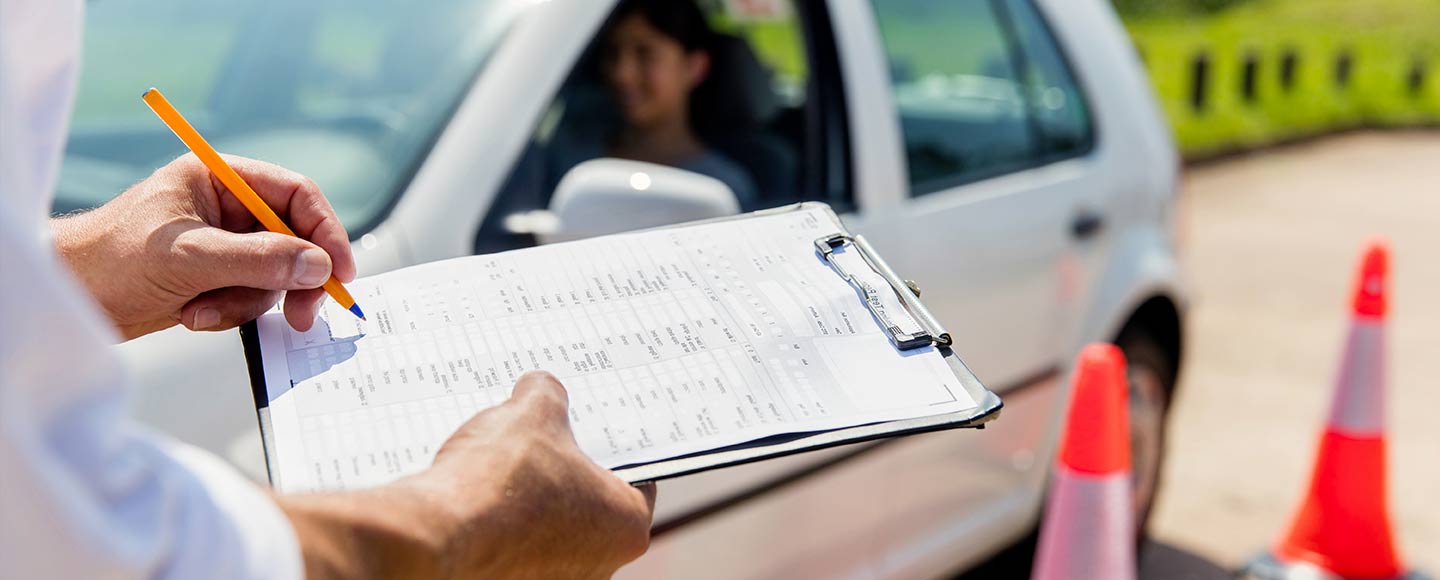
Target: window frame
[[1076, 78], [1019, 57], [827, 122]]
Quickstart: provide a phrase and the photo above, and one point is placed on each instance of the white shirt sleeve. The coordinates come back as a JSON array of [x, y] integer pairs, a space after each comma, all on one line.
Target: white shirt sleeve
[[84, 492]]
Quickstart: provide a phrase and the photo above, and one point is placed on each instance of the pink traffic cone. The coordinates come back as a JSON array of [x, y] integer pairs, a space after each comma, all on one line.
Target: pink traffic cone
[[1089, 530]]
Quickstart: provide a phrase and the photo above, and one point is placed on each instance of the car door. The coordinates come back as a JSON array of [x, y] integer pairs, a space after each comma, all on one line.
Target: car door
[[922, 506], [971, 143], [986, 209]]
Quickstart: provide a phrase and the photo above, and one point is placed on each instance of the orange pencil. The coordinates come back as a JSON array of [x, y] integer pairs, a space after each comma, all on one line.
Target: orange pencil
[[236, 185]]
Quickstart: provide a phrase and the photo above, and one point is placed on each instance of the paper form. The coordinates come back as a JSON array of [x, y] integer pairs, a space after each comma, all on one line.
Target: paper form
[[669, 342]]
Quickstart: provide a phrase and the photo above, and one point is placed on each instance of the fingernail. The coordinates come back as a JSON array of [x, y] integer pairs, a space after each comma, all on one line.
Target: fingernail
[[312, 268], [206, 318]]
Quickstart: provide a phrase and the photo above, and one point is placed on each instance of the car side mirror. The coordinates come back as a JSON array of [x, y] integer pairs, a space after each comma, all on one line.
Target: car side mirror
[[606, 196]]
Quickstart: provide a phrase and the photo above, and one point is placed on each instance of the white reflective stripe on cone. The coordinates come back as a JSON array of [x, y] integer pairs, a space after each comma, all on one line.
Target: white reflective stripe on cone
[[1089, 532], [1358, 406]]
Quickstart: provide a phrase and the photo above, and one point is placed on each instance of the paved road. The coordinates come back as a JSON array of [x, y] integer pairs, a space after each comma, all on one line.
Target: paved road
[[1272, 243]]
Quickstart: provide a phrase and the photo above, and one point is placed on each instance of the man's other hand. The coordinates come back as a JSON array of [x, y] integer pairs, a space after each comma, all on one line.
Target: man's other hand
[[178, 247], [510, 495]]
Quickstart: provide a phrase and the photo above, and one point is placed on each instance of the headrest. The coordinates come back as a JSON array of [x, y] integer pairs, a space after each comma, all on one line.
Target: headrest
[[738, 93]]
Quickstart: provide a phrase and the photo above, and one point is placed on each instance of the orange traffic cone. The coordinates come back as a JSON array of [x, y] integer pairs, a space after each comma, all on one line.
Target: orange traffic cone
[[1342, 529], [1089, 530]]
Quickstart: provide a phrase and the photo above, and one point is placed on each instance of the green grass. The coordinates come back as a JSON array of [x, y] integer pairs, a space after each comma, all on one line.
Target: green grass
[[1385, 38]]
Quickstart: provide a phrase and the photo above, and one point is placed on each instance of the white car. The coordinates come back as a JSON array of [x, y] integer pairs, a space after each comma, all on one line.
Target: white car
[[1007, 155]]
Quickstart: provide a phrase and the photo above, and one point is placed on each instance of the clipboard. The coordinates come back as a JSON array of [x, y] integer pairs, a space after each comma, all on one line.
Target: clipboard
[[929, 333]]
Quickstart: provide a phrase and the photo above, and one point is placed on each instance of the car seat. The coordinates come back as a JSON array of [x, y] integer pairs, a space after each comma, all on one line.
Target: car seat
[[733, 111]]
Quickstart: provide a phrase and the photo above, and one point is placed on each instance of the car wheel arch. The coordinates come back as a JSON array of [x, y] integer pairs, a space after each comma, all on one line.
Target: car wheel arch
[[1159, 318]]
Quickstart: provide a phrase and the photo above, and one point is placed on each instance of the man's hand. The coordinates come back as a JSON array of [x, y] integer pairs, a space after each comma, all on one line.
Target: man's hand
[[179, 248], [510, 495]]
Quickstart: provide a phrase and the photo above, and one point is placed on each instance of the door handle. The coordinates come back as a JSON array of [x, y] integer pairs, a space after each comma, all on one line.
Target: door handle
[[1087, 224]]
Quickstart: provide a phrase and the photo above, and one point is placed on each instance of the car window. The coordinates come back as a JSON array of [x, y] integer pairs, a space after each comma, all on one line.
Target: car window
[[980, 89], [1062, 119], [351, 93], [955, 85], [756, 111]]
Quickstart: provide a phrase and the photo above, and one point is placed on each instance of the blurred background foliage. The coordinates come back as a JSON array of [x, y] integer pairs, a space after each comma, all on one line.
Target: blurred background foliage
[[1173, 7], [1237, 74]]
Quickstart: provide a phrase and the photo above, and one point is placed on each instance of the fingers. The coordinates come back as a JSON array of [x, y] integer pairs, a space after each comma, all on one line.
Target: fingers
[[537, 405], [227, 308], [239, 277], [634, 518], [649, 491], [302, 306], [299, 203], [540, 394], [211, 258], [576, 514]]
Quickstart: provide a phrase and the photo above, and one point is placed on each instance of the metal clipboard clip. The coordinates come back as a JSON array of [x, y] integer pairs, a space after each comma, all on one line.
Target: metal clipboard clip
[[931, 333]]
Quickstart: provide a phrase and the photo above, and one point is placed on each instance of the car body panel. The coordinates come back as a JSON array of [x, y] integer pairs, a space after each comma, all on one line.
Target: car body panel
[[878, 175], [881, 513]]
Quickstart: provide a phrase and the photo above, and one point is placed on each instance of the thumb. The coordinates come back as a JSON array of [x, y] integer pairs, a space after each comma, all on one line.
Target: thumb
[[213, 258], [543, 399]]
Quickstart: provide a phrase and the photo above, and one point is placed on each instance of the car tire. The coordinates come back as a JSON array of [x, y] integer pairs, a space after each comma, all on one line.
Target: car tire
[[1152, 373]]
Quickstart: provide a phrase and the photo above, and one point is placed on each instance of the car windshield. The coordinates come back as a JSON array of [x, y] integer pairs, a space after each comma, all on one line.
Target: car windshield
[[352, 93]]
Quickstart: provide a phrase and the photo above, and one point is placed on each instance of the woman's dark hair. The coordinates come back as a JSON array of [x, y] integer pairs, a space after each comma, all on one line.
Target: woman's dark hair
[[681, 20]]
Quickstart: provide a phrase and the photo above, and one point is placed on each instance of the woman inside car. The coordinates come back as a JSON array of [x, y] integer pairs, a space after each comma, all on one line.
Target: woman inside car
[[655, 56]]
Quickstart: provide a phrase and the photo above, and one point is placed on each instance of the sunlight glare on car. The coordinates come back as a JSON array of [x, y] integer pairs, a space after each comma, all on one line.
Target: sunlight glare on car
[[640, 181]]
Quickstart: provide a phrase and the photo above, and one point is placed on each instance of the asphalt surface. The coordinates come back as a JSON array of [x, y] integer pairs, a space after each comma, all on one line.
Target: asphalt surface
[[1272, 242]]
